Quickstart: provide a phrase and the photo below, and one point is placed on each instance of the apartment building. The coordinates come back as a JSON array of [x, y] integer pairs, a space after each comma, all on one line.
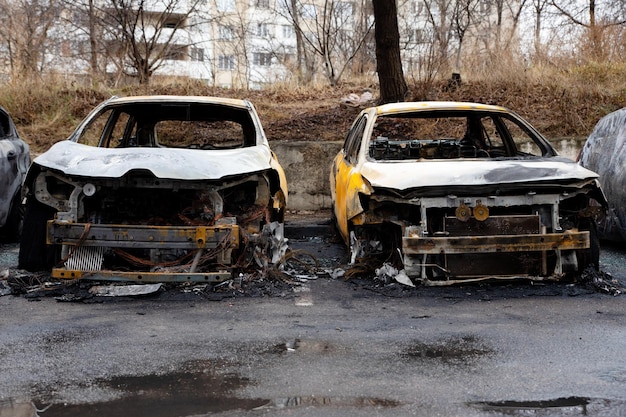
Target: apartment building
[[234, 43]]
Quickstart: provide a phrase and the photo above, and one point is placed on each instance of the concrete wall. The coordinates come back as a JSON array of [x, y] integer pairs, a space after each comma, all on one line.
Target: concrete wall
[[307, 167]]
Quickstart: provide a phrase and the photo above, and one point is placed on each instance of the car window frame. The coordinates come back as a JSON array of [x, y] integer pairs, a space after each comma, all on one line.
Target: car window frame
[[546, 149], [354, 139]]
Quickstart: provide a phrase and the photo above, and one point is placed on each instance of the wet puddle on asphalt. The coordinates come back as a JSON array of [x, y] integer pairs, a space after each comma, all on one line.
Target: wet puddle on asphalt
[[458, 349], [560, 404], [561, 407], [181, 393], [176, 394]]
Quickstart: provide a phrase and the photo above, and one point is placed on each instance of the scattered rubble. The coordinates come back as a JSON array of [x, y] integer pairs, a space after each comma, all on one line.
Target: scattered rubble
[[275, 278], [388, 271], [125, 290], [600, 281], [358, 100]]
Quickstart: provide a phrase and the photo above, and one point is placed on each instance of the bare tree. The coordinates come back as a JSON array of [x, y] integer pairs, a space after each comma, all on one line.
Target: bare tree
[[393, 86], [539, 6], [365, 58], [301, 55], [83, 26], [438, 13], [330, 32], [144, 36], [462, 17], [508, 15], [252, 46], [24, 31], [91, 14], [594, 16]]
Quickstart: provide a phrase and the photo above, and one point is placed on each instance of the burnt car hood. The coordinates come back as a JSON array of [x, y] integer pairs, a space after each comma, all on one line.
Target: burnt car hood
[[75, 159], [404, 175]]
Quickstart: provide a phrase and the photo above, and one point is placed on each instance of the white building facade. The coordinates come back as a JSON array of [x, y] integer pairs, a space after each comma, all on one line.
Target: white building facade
[[232, 43]]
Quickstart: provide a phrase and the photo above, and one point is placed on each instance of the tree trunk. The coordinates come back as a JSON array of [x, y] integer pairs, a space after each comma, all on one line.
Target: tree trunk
[[300, 58], [393, 87], [93, 53]]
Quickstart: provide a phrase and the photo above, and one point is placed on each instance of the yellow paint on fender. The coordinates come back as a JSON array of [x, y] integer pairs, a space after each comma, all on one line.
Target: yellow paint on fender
[[346, 186]]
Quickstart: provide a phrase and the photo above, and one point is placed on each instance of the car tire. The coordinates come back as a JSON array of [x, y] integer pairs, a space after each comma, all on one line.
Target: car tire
[[13, 227], [35, 255], [591, 256]]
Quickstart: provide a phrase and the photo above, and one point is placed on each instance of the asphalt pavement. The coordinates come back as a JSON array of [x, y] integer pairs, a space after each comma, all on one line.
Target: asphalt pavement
[[322, 347]]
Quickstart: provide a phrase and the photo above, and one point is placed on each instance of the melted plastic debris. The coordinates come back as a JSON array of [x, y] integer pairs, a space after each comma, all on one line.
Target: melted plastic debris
[[388, 271], [125, 290], [601, 281]]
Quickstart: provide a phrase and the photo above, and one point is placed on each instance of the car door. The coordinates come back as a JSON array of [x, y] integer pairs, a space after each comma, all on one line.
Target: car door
[[14, 162], [341, 174]]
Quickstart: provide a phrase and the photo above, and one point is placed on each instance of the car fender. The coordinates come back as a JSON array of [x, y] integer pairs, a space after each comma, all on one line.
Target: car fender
[[347, 183], [282, 179]]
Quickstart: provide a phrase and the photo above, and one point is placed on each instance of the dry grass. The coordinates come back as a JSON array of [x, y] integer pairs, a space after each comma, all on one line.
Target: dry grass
[[560, 101]]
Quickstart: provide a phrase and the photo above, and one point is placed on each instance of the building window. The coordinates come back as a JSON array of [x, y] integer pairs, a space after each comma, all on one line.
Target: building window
[[173, 22], [226, 5], [262, 4], [485, 6], [262, 29], [225, 33], [417, 7], [197, 54], [66, 49], [262, 59], [283, 6], [289, 32], [175, 52], [309, 11], [345, 10], [226, 62]]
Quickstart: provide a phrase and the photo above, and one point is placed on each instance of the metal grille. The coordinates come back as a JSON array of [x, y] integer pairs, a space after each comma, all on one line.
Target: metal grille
[[86, 258]]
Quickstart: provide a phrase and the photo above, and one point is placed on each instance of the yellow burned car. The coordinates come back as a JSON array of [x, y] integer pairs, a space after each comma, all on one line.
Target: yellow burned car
[[457, 192], [156, 188]]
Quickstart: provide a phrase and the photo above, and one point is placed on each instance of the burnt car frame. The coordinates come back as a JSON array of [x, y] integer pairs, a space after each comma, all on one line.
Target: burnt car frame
[[14, 162], [604, 152], [458, 192], [156, 189]]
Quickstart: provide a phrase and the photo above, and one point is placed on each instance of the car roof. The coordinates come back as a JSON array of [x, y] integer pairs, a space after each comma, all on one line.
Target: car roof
[[179, 99], [417, 106]]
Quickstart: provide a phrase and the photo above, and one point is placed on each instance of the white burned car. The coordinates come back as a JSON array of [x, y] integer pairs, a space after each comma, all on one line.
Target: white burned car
[[455, 192], [156, 188]]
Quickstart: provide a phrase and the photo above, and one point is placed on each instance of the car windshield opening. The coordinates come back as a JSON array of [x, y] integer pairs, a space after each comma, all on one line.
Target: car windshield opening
[[439, 135], [174, 125]]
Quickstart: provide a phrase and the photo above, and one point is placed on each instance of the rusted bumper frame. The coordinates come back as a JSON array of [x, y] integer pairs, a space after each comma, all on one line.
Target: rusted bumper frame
[[415, 247], [82, 240]]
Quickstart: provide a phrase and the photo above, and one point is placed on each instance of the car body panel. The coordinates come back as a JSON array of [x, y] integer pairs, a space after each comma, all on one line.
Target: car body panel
[[347, 186], [76, 159], [157, 189], [448, 210], [14, 163], [605, 152], [402, 176]]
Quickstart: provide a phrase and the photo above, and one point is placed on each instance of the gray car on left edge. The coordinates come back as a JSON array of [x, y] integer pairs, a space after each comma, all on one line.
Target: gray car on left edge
[[14, 162]]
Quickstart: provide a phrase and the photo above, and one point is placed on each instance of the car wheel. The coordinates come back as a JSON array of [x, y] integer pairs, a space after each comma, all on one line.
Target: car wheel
[[35, 254], [591, 256], [13, 228]]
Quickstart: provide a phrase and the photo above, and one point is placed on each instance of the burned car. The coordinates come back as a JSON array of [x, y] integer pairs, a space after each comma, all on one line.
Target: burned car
[[156, 189], [605, 153], [457, 192], [15, 159]]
